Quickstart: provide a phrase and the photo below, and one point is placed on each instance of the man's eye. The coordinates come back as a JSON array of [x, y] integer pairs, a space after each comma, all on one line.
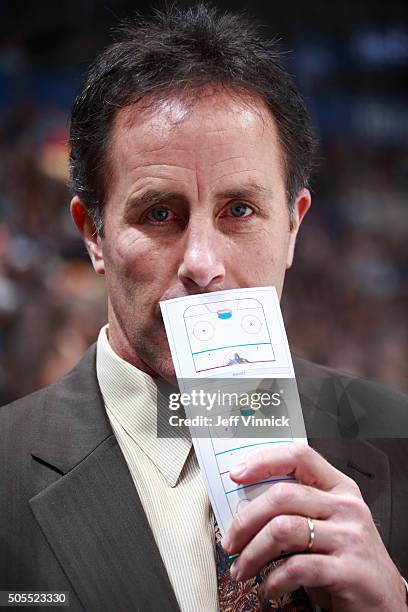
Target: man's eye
[[240, 210], [159, 214]]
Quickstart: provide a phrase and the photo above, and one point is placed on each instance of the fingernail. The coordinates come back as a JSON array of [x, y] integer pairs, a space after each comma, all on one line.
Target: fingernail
[[238, 470], [225, 543], [234, 571]]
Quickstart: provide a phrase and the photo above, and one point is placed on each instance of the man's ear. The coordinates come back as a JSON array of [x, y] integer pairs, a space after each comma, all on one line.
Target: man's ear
[[300, 208], [86, 226]]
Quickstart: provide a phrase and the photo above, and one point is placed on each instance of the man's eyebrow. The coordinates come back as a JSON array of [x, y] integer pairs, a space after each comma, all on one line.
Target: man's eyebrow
[[152, 197], [247, 191]]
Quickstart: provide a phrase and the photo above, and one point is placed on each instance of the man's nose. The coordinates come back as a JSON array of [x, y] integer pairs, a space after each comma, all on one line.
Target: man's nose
[[202, 265]]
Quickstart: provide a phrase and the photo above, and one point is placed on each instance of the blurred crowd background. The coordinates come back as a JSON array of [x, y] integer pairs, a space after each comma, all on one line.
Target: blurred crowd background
[[346, 298]]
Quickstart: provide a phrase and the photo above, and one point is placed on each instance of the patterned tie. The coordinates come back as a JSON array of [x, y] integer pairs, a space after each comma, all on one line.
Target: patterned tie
[[244, 597]]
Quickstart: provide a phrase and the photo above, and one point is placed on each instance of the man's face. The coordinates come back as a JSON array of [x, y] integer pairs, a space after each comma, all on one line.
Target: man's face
[[197, 203]]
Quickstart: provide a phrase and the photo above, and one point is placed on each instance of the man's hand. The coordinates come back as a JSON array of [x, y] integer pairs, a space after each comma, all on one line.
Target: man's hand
[[347, 569]]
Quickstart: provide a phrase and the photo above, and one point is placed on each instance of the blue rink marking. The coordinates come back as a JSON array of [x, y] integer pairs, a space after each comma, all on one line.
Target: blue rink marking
[[232, 346]]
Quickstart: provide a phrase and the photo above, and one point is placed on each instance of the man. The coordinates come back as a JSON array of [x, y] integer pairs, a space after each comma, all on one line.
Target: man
[[191, 155]]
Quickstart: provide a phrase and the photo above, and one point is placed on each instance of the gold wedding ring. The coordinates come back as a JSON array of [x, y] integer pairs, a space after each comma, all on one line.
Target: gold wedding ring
[[311, 525]]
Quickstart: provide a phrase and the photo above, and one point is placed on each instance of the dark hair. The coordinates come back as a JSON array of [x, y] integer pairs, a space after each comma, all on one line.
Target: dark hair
[[175, 52]]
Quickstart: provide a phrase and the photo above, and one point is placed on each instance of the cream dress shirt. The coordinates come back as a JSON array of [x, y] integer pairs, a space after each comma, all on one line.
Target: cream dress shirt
[[167, 478]]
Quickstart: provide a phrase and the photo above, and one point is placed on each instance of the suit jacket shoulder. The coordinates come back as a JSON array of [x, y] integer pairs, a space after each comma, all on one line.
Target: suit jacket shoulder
[[348, 406]]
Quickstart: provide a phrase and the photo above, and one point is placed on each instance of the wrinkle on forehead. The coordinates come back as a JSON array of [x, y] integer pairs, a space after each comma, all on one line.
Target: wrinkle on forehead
[[163, 118]]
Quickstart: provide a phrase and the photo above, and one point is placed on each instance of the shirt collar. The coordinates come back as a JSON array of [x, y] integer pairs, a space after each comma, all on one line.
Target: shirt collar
[[130, 396]]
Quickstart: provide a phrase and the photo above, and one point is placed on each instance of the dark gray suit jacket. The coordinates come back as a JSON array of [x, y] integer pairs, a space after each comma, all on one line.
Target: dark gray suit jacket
[[71, 519]]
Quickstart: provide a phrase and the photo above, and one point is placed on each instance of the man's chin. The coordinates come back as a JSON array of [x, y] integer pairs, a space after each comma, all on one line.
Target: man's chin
[[160, 366]]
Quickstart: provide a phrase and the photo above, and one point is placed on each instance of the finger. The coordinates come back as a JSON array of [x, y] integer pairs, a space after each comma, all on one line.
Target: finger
[[296, 459], [280, 498], [308, 571], [282, 535]]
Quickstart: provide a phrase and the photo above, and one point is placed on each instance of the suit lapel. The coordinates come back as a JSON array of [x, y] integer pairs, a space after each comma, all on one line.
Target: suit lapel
[[92, 516]]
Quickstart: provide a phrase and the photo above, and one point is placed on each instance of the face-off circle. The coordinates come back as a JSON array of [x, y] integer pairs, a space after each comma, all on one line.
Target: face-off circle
[[251, 324], [203, 330]]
